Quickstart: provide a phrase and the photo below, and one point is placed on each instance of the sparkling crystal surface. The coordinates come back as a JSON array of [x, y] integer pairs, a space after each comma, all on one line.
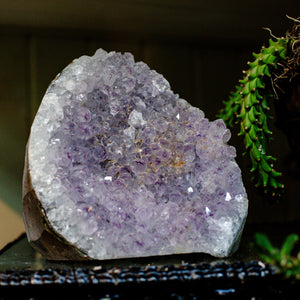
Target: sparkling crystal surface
[[123, 167]]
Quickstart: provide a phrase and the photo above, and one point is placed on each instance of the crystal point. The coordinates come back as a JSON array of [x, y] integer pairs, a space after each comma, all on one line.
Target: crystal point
[[123, 167]]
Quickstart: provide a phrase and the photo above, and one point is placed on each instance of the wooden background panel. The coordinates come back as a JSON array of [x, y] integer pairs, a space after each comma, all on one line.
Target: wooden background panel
[[194, 19], [13, 117], [201, 73], [217, 75]]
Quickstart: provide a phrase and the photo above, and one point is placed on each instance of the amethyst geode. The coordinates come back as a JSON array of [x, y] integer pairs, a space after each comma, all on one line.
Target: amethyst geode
[[122, 167]]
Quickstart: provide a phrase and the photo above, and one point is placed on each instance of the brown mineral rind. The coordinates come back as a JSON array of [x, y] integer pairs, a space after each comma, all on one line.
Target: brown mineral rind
[[40, 233]]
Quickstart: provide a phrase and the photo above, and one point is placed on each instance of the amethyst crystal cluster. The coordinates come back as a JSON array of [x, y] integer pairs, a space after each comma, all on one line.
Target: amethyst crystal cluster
[[123, 167]]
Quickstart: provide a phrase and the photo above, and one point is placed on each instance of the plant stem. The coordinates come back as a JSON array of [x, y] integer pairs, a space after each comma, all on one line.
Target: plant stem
[[249, 105]]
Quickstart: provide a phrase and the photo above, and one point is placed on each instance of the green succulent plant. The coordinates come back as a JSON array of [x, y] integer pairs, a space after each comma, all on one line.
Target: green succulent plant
[[281, 259], [249, 105]]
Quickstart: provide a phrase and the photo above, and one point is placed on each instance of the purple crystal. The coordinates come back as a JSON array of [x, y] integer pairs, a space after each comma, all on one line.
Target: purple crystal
[[123, 167]]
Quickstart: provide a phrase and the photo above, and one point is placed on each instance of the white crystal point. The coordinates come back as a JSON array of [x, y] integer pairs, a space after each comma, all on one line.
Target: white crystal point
[[122, 167]]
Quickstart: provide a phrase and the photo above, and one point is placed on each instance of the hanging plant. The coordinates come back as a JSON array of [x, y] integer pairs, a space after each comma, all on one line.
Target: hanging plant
[[271, 76]]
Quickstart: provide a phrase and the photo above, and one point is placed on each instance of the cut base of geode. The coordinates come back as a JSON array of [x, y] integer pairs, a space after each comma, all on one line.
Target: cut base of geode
[[40, 233], [119, 166]]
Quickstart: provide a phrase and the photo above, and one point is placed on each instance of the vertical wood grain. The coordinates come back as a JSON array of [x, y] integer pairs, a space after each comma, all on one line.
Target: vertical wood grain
[[216, 75], [13, 110], [32, 77]]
